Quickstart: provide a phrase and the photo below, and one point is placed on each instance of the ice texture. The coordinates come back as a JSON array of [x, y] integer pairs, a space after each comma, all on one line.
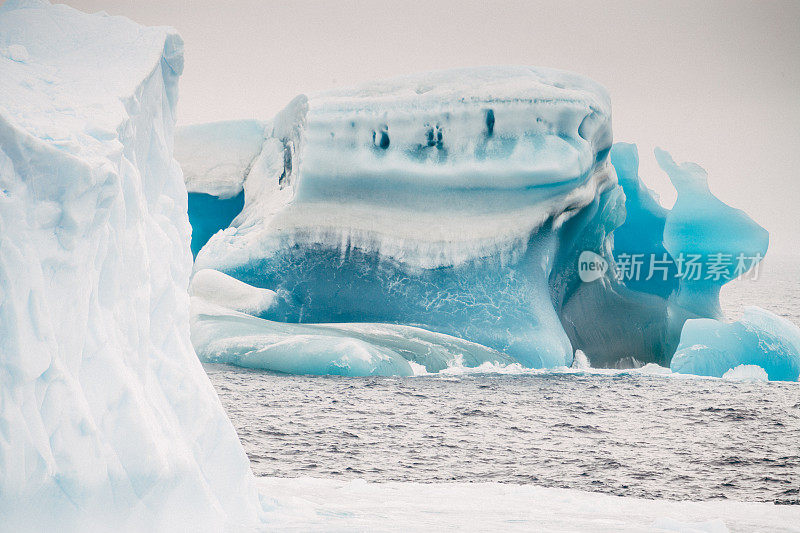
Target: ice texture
[[436, 201], [107, 420], [711, 347]]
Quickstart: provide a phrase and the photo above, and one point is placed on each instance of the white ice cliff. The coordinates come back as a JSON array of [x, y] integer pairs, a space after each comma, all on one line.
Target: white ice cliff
[[107, 419]]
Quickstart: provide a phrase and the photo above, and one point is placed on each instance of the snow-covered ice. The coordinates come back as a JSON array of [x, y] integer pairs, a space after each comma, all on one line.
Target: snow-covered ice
[[307, 504], [107, 419]]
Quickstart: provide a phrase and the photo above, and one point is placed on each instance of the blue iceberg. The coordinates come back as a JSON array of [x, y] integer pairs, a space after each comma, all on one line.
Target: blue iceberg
[[439, 202], [464, 205], [711, 347]]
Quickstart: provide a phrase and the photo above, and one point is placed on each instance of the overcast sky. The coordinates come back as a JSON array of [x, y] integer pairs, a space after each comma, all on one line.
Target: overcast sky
[[717, 83]]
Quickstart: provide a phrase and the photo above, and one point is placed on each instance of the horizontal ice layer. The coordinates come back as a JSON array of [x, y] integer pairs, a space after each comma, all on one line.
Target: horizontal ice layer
[[222, 335], [435, 201], [310, 504], [107, 420], [711, 348]]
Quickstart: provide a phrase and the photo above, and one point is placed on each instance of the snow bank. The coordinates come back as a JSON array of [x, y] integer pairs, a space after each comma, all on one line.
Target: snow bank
[[307, 504], [107, 419]]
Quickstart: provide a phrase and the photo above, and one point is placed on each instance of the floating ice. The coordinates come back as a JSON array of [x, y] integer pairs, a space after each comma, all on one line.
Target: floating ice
[[463, 203], [746, 373], [360, 349], [310, 504], [107, 419], [665, 266], [435, 201], [711, 348]]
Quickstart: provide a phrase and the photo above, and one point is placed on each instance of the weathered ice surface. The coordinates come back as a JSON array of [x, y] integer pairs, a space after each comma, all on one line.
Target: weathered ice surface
[[464, 203], [107, 420]]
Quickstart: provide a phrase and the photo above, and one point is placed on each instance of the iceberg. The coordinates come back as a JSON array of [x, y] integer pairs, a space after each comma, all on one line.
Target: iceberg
[[436, 201], [465, 203], [711, 347], [107, 419]]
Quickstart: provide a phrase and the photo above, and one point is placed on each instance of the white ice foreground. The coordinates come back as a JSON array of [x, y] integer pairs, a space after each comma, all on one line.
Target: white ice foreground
[[309, 504]]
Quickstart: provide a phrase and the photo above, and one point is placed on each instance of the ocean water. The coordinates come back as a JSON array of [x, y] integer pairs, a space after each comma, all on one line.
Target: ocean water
[[637, 433]]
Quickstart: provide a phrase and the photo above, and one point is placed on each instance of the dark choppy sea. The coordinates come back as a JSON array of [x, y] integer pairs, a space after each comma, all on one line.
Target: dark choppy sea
[[632, 433]]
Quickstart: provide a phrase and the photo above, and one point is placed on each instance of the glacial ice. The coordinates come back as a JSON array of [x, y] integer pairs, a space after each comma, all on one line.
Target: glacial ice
[[107, 419], [711, 347], [667, 266], [459, 203], [433, 201]]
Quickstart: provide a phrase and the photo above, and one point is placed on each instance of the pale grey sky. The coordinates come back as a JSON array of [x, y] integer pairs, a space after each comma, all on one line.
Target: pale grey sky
[[717, 83]]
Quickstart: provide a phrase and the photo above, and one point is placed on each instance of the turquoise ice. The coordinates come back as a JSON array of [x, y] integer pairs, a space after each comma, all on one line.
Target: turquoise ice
[[711, 347], [458, 205]]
